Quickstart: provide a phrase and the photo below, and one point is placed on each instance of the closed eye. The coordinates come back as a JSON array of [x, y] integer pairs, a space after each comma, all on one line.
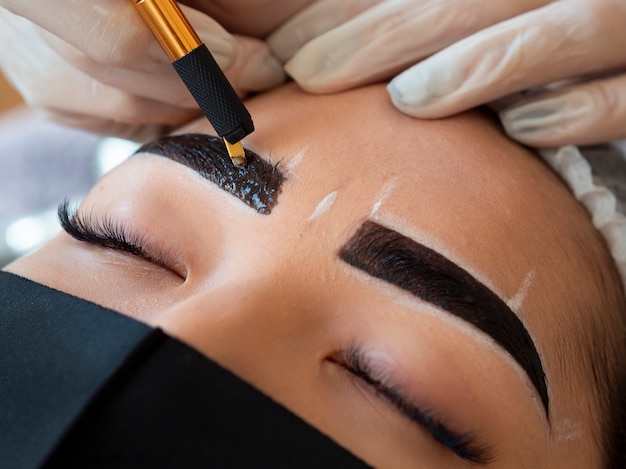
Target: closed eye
[[108, 233], [464, 445]]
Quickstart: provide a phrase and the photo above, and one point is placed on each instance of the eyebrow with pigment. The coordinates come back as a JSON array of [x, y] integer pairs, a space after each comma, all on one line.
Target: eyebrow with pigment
[[257, 184], [401, 261]]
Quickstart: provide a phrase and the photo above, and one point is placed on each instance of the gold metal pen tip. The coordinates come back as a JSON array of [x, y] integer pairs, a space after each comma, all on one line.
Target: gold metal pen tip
[[236, 153]]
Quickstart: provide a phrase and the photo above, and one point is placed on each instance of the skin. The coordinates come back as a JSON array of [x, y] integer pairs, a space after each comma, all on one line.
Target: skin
[[267, 296]]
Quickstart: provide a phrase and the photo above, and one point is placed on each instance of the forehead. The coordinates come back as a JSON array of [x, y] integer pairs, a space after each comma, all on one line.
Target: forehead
[[459, 185]]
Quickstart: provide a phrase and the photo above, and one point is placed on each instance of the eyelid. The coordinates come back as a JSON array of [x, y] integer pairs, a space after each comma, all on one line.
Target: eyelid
[[111, 234], [464, 445]]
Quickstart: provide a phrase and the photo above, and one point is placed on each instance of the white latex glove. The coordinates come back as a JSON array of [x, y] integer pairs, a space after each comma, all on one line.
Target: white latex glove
[[95, 65], [559, 64]]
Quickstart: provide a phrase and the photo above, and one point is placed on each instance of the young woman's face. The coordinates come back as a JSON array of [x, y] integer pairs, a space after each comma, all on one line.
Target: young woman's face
[[379, 300]]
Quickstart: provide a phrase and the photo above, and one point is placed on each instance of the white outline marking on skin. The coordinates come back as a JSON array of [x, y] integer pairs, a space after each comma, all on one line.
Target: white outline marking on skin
[[567, 430], [295, 161], [383, 194], [515, 303], [324, 205]]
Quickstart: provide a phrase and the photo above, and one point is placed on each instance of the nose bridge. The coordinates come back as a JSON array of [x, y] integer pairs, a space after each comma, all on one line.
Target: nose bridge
[[263, 270], [260, 304], [232, 290], [242, 310]]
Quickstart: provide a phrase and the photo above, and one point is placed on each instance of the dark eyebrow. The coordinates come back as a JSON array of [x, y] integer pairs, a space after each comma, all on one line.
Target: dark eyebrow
[[401, 261], [258, 183]]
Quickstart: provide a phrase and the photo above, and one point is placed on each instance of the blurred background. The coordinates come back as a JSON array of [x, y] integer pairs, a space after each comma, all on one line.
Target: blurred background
[[41, 164]]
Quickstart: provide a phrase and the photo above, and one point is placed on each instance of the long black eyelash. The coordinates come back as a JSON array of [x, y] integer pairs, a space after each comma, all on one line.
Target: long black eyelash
[[104, 232], [464, 445]]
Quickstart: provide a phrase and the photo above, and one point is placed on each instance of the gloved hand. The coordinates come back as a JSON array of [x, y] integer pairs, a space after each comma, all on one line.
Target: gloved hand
[[95, 65], [553, 69]]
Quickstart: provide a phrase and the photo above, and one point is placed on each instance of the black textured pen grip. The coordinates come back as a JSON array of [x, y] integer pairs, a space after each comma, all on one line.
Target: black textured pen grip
[[214, 94]]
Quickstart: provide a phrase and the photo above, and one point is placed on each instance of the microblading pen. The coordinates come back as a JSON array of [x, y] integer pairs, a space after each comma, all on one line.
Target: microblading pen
[[200, 73]]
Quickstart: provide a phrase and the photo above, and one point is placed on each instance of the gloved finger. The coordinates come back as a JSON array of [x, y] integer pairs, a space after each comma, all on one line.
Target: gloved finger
[[118, 113], [255, 69], [254, 18], [112, 33], [313, 21], [390, 36], [580, 114], [524, 96], [164, 85], [55, 77], [29, 60], [564, 39]]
